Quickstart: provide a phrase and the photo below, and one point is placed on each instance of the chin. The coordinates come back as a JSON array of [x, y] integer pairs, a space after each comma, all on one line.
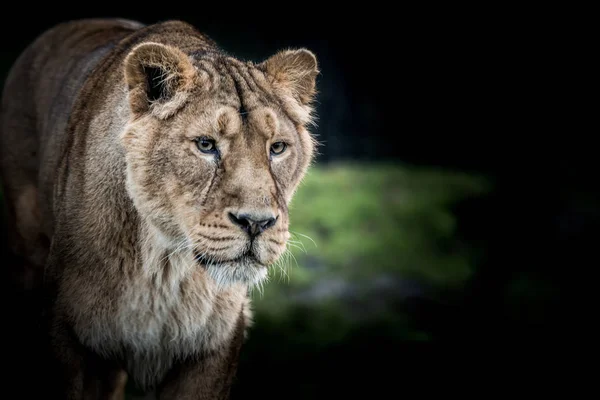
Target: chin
[[245, 270]]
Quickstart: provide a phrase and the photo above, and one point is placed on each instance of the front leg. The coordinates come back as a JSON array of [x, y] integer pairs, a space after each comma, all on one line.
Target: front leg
[[74, 371], [205, 377], [79, 373], [67, 362]]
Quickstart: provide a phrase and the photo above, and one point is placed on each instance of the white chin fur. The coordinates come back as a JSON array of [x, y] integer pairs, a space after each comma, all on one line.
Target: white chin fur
[[225, 274]]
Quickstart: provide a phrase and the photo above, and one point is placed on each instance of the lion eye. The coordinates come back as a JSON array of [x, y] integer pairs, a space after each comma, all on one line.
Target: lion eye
[[206, 145], [278, 148]]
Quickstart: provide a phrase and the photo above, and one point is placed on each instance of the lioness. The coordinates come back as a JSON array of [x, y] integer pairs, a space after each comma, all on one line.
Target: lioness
[[148, 174]]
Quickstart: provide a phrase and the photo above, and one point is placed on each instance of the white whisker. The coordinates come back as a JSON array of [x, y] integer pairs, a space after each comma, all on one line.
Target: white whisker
[[297, 247], [297, 242], [303, 235]]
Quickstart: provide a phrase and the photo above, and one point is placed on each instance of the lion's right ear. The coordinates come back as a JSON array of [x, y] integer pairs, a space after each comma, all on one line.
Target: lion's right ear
[[159, 79]]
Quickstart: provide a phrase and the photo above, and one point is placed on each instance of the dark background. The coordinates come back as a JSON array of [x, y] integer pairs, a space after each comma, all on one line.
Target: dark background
[[474, 90]]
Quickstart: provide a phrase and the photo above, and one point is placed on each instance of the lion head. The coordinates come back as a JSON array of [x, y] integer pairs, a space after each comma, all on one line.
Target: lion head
[[215, 148]]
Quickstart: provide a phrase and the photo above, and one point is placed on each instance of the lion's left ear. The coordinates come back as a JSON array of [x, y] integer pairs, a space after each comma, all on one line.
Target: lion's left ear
[[159, 79], [294, 70]]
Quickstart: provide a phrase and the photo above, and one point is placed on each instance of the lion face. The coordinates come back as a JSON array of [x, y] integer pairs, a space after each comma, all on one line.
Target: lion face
[[215, 149]]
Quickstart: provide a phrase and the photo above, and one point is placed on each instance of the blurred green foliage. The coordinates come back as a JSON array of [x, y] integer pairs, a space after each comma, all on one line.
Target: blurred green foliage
[[361, 221]]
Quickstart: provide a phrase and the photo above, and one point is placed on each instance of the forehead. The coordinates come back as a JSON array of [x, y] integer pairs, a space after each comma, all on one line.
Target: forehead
[[263, 121], [237, 84], [240, 95]]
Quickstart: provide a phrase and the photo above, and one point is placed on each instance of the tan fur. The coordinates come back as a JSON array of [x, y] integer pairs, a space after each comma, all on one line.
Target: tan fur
[[148, 265]]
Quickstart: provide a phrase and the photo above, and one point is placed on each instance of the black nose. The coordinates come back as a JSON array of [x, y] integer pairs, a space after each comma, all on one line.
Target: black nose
[[253, 224]]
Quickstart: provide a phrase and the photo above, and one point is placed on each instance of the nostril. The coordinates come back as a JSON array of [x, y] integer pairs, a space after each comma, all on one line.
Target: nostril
[[241, 222], [266, 224]]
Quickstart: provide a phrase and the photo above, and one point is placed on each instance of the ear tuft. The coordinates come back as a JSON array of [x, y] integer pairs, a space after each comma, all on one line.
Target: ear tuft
[[295, 70], [159, 78]]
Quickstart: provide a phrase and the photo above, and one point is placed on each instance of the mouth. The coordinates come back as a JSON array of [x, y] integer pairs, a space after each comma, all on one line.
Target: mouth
[[244, 269], [247, 258]]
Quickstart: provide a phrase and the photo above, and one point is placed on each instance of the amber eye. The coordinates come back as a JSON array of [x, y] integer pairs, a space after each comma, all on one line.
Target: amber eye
[[206, 145], [278, 148]]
